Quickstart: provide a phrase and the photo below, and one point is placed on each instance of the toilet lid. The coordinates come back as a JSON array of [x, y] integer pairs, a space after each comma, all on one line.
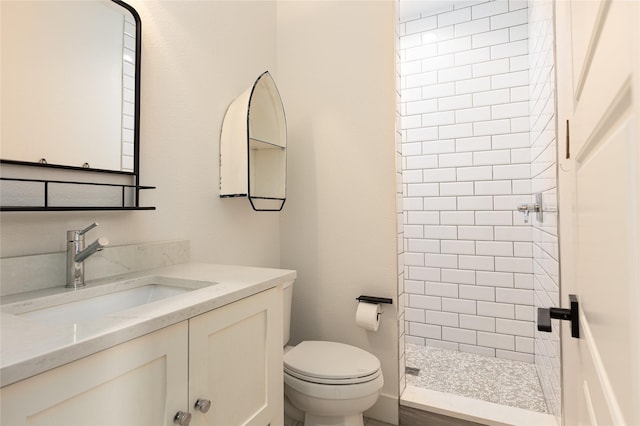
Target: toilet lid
[[331, 362]]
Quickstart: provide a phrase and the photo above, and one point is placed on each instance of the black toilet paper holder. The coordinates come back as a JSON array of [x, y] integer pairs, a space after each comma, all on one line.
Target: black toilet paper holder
[[374, 300]]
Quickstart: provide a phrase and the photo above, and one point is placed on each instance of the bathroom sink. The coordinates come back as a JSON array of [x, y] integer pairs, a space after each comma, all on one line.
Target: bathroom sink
[[139, 292]]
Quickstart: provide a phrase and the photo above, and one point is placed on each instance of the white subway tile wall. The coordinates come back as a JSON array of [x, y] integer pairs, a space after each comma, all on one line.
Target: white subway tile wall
[[405, 314], [466, 153], [546, 281]]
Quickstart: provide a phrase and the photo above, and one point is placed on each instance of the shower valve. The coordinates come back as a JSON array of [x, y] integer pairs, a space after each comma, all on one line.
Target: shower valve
[[528, 208]]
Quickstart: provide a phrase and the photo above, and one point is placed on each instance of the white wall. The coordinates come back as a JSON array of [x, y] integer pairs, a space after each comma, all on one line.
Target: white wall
[[196, 58], [336, 78]]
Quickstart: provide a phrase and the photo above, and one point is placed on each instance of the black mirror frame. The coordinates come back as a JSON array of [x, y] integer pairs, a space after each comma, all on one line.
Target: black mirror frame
[[136, 187]]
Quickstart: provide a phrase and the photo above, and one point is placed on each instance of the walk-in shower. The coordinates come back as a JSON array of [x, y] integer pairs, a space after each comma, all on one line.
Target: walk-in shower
[[477, 140]]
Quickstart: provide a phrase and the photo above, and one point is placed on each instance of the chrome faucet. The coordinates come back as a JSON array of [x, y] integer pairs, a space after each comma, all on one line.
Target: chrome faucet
[[77, 254]]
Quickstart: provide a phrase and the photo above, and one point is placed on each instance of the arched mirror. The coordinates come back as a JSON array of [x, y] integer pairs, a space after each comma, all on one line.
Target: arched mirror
[[70, 93], [69, 130]]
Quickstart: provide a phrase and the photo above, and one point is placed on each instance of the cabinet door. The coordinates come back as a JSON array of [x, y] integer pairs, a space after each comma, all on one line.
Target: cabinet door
[[140, 382], [235, 359]]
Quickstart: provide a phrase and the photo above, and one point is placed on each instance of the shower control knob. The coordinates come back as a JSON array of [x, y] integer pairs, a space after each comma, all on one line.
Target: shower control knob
[[182, 418], [203, 405]]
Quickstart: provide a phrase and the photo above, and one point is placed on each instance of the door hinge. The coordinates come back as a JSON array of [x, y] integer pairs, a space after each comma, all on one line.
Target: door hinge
[[568, 143]]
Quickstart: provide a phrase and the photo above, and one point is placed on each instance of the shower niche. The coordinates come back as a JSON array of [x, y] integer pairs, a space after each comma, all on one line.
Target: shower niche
[[253, 147]]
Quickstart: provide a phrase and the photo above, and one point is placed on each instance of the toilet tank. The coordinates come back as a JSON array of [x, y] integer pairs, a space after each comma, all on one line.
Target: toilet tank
[[287, 294]]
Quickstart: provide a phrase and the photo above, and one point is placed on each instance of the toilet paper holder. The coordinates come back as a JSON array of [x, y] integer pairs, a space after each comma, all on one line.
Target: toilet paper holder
[[374, 300]]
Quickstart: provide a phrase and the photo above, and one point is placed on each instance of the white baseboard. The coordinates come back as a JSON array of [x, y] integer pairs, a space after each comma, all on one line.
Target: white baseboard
[[385, 409]]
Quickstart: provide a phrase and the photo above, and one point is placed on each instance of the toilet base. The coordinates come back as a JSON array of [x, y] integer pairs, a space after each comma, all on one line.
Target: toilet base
[[331, 405], [288, 421], [292, 415], [354, 420]]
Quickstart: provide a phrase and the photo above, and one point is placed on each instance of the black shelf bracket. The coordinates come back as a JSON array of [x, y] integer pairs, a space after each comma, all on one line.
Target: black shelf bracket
[[545, 315]]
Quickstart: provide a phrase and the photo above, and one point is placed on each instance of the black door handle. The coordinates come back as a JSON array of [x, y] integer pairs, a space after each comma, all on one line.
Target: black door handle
[[546, 314]]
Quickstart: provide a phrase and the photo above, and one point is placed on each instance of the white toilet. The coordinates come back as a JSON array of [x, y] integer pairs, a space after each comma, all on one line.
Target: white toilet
[[327, 383]]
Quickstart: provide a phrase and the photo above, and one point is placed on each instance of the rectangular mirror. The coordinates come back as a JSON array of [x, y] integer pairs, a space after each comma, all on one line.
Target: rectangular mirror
[[69, 91]]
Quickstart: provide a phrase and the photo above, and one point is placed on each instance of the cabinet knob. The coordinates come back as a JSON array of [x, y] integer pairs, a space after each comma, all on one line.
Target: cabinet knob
[[182, 418], [203, 405]]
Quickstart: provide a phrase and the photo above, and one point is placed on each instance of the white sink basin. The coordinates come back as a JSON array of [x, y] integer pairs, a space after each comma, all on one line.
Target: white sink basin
[[91, 303]]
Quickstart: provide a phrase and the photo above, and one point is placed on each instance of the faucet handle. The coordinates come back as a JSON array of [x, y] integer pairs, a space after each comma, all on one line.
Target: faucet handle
[[77, 235], [88, 228]]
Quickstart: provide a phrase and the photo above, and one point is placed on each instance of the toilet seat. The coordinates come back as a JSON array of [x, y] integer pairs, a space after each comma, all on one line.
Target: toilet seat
[[337, 392], [331, 363]]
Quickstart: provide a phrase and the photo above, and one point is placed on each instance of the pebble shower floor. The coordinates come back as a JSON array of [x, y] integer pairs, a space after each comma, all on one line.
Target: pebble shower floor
[[502, 381]]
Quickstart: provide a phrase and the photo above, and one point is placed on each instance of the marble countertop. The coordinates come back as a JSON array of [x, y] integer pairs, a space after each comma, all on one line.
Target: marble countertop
[[29, 346]]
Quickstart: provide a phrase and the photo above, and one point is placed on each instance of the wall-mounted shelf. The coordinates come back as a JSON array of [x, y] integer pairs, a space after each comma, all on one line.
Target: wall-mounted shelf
[[253, 147], [69, 209], [258, 144], [59, 195]]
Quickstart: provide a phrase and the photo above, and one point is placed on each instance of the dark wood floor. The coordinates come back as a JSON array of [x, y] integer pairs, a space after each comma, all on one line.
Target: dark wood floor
[[414, 417]]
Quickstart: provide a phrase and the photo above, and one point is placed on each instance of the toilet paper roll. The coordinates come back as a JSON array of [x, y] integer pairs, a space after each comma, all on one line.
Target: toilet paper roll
[[367, 316]]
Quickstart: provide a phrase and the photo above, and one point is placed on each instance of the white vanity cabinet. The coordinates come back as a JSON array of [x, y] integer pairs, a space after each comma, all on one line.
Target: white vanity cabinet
[[231, 356], [235, 361], [140, 382]]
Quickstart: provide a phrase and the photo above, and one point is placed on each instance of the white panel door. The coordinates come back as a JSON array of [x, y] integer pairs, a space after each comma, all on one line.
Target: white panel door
[[598, 58]]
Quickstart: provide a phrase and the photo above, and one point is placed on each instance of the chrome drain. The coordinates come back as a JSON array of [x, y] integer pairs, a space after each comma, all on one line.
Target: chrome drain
[[412, 371]]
